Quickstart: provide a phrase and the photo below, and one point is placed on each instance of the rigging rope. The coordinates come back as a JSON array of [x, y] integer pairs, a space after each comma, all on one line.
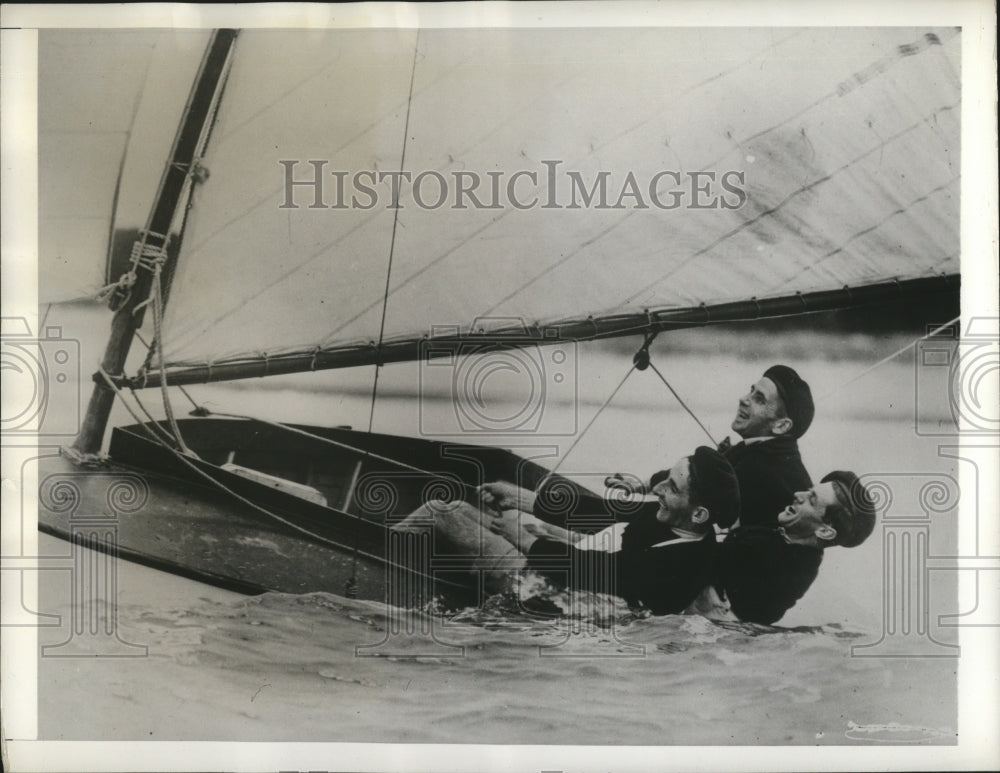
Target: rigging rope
[[392, 241], [202, 411], [683, 404], [158, 341], [218, 484], [151, 421], [640, 361], [892, 356], [152, 258], [351, 589], [591, 422], [118, 392]]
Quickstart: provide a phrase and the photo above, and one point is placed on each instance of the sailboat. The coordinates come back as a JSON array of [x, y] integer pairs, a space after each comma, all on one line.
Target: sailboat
[[322, 188]]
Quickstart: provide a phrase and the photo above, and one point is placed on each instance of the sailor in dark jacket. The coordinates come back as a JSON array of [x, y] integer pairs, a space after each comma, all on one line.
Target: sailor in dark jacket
[[765, 570], [770, 418], [659, 560]]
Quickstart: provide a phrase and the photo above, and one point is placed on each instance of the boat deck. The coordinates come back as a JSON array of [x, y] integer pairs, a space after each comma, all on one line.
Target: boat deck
[[262, 509]]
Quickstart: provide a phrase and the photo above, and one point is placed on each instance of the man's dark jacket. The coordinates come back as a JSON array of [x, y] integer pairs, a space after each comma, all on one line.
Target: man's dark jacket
[[662, 578], [763, 575], [769, 474]]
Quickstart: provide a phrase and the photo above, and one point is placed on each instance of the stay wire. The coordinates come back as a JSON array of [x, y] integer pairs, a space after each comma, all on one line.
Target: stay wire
[[329, 441], [351, 589], [161, 439], [683, 404], [158, 340], [218, 484], [392, 243], [591, 422], [190, 399], [892, 356], [152, 423]]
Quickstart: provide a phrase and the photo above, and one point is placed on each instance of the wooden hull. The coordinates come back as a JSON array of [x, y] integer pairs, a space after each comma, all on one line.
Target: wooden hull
[[194, 517]]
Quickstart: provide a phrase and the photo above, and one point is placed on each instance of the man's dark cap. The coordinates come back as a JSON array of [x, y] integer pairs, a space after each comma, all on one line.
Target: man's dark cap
[[796, 396], [715, 485], [658, 477], [856, 519]]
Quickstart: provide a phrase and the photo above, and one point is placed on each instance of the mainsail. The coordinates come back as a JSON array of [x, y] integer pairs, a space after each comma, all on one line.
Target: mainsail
[[626, 177], [108, 106]]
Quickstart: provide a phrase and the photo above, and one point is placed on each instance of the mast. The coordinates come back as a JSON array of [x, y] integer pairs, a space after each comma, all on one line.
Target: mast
[[173, 190]]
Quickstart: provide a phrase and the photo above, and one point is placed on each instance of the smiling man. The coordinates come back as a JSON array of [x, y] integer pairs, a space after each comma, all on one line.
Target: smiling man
[[770, 418], [765, 570], [657, 554], [659, 560]]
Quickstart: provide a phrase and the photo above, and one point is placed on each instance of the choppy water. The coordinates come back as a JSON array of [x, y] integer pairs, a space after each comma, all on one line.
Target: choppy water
[[283, 667]]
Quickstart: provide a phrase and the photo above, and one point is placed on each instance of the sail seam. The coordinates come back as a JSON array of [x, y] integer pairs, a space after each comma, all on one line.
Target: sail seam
[[629, 214], [864, 232], [795, 193], [613, 226], [745, 141]]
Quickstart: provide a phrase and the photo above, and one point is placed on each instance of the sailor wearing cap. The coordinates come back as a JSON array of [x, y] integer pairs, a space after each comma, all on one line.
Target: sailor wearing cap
[[659, 560], [764, 570], [770, 417]]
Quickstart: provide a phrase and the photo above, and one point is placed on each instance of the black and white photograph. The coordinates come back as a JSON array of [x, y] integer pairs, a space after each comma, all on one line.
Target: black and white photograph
[[585, 386]]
